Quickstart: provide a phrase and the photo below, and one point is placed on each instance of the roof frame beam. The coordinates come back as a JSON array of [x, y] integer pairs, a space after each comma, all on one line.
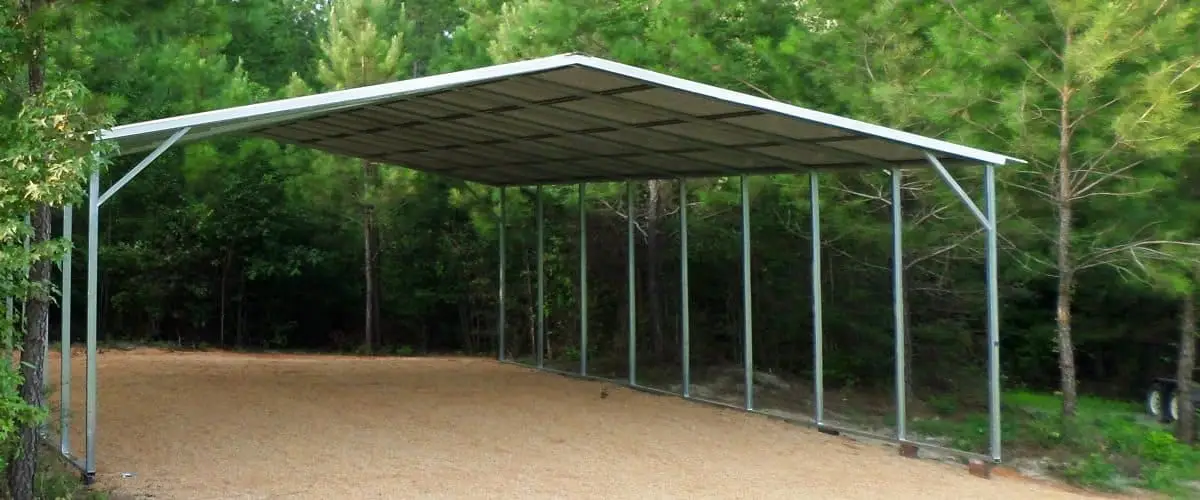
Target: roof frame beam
[[397, 127], [508, 144], [815, 147], [505, 143], [410, 119], [496, 114], [604, 124], [620, 156], [584, 94]]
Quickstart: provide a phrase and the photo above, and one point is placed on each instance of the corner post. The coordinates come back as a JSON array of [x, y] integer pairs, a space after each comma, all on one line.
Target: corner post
[[93, 277], [685, 323], [898, 305], [993, 313], [814, 197], [64, 368], [747, 313]]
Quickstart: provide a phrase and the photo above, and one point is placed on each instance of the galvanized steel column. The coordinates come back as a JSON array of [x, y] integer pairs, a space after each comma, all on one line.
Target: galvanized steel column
[[685, 326], [93, 263], [64, 369], [993, 313], [898, 305], [747, 313], [817, 308]]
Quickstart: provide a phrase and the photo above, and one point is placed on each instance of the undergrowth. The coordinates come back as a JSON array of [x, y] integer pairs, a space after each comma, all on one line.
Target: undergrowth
[[1110, 445], [56, 480]]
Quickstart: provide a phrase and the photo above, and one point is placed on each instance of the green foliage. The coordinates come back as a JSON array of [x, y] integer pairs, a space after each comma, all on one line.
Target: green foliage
[[356, 52], [1094, 471], [1109, 446], [45, 155]]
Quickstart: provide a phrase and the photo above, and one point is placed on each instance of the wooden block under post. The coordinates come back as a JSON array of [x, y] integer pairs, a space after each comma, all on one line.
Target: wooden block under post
[[979, 468], [908, 450], [825, 430]]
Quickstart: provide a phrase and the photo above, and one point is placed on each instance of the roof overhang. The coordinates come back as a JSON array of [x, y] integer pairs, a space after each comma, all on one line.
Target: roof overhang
[[560, 119]]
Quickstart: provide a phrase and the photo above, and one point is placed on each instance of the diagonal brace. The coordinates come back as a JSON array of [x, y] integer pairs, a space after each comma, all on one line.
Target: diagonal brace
[[143, 164], [958, 190]]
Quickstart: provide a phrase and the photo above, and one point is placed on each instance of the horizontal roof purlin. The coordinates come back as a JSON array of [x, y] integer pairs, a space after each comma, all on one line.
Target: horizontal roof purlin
[[560, 119]]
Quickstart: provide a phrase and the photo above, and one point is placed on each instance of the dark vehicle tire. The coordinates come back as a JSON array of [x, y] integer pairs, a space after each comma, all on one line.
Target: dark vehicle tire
[[1173, 404], [1155, 402]]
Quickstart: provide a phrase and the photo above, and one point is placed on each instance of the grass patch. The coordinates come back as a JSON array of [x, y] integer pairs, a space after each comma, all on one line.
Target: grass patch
[[1110, 445]]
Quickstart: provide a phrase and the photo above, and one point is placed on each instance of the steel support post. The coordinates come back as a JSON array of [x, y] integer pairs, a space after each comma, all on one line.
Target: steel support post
[[632, 284], [583, 283], [685, 323], [747, 312], [93, 266], [541, 281], [817, 308], [95, 200], [993, 314], [987, 219], [898, 304], [501, 275], [64, 369]]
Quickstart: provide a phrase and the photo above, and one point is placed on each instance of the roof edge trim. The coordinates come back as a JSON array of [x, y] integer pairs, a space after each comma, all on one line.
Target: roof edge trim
[[331, 101]]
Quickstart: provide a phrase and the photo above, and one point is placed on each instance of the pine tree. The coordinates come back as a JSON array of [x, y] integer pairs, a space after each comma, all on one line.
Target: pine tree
[[357, 52], [1088, 91]]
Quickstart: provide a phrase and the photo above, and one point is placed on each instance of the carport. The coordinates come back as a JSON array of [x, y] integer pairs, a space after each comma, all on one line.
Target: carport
[[573, 119]]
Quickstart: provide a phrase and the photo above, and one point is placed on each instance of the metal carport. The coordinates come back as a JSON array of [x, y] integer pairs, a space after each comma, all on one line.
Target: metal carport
[[572, 119]]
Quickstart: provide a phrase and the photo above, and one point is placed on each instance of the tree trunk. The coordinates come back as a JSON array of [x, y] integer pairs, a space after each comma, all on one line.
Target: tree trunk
[[1185, 427], [370, 273], [1066, 264], [653, 266], [37, 329], [22, 470]]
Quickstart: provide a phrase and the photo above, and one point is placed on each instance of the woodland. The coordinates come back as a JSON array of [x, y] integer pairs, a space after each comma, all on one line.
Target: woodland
[[253, 245]]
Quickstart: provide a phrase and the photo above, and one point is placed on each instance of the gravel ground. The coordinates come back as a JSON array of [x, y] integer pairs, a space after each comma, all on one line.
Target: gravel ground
[[239, 426]]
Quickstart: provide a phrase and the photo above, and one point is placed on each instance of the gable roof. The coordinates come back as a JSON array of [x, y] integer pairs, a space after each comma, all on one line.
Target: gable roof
[[559, 119]]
